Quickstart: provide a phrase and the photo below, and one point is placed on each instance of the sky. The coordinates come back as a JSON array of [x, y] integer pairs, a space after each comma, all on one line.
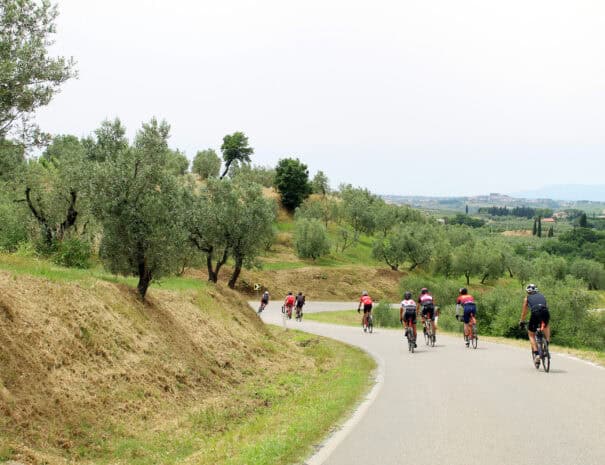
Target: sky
[[427, 97]]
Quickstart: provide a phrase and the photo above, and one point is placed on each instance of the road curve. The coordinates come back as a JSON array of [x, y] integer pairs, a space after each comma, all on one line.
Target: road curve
[[451, 405]]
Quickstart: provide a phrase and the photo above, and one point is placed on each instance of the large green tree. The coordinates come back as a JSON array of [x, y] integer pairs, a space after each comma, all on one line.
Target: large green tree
[[29, 76], [235, 148], [230, 219], [292, 182], [140, 205]]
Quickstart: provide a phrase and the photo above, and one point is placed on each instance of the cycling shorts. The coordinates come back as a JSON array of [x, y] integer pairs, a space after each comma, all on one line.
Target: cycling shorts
[[367, 308], [410, 316], [430, 311], [537, 317], [466, 317]]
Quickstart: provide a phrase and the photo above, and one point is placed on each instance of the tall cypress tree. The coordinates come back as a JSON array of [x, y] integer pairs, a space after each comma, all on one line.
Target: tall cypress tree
[[539, 226], [535, 230]]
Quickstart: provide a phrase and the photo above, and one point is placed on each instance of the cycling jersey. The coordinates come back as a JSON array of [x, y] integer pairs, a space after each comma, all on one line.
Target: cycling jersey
[[428, 307], [290, 300], [300, 300], [265, 298], [367, 303], [539, 311], [409, 310], [469, 307]]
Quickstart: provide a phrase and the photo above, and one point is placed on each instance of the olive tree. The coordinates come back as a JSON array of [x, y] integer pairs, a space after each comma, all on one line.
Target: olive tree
[[140, 205], [29, 76], [206, 164], [311, 239], [53, 188], [230, 220]]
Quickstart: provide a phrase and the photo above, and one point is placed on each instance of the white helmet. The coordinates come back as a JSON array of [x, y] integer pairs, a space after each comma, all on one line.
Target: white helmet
[[531, 288], [364, 293]]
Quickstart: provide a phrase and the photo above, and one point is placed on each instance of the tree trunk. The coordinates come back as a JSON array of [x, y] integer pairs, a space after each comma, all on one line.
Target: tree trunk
[[468, 278], [236, 272], [226, 170], [72, 216], [414, 265], [484, 278], [212, 276], [48, 234], [144, 279], [510, 272]]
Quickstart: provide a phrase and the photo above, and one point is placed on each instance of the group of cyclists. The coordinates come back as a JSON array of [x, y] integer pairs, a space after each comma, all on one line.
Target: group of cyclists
[[291, 302], [466, 311]]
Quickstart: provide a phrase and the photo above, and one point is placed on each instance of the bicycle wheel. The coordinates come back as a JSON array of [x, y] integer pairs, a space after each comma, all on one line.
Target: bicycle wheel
[[370, 324], [545, 356], [475, 338], [427, 337]]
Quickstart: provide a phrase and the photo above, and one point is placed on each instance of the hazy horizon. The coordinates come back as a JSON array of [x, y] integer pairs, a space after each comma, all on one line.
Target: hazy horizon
[[414, 98]]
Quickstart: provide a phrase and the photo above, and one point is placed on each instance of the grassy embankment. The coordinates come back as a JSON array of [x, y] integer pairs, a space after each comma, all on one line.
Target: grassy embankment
[[89, 374]]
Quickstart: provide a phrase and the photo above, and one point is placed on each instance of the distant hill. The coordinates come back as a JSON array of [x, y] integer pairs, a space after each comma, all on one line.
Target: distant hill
[[570, 192]]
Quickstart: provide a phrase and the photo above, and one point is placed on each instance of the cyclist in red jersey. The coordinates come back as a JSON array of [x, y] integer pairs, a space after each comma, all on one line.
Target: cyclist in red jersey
[[367, 303], [289, 304]]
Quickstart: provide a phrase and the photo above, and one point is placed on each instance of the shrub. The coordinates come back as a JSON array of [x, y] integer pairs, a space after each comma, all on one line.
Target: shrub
[[386, 316], [311, 239], [73, 253]]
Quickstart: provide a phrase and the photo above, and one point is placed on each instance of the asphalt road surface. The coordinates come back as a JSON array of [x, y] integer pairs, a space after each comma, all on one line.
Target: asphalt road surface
[[451, 405]]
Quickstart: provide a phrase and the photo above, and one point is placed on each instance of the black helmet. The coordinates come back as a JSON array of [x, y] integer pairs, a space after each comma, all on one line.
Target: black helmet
[[407, 295], [463, 290], [424, 290]]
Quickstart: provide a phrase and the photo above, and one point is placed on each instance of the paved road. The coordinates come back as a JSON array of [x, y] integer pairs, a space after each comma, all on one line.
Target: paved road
[[450, 405]]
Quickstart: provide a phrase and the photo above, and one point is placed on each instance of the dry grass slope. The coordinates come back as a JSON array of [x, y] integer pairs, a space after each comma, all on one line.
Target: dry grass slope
[[79, 361]]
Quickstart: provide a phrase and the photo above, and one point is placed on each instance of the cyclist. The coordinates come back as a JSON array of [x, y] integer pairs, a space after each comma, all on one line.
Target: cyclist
[[367, 303], [300, 301], [469, 310], [264, 301], [536, 303], [408, 312], [289, 304], [426, 303]]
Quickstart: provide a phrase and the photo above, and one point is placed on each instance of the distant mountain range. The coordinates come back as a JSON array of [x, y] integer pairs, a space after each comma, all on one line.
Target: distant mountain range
[[572, 192]]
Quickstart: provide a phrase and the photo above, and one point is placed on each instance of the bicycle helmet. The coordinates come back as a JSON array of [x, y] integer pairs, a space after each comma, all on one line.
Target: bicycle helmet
[[407, 295], [424, 290], [531, 288], [463, 290], [364, 293], [290, 293]]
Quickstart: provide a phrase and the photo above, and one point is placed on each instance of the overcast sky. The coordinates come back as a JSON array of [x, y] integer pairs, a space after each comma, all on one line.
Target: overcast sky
[[403, 97]]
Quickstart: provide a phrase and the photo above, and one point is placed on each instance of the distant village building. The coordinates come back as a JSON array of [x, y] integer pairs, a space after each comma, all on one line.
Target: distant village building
[[548, 220]]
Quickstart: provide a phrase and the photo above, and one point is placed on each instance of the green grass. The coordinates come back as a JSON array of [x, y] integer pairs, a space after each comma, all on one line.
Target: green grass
[[42, 268], [288, 415]]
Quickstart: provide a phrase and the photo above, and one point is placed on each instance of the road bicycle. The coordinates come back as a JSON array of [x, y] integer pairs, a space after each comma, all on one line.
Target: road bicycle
[[370, 325], [474, 338], [429, 333], [409, 334], [261, 307], [543, 350], [299, 314]]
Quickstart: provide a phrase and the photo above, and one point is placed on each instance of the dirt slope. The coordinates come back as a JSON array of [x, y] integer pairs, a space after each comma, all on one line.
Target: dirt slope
[[81, 358]]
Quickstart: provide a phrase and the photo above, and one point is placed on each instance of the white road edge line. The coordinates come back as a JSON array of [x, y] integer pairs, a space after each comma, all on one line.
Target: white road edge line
[[332, 441]]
